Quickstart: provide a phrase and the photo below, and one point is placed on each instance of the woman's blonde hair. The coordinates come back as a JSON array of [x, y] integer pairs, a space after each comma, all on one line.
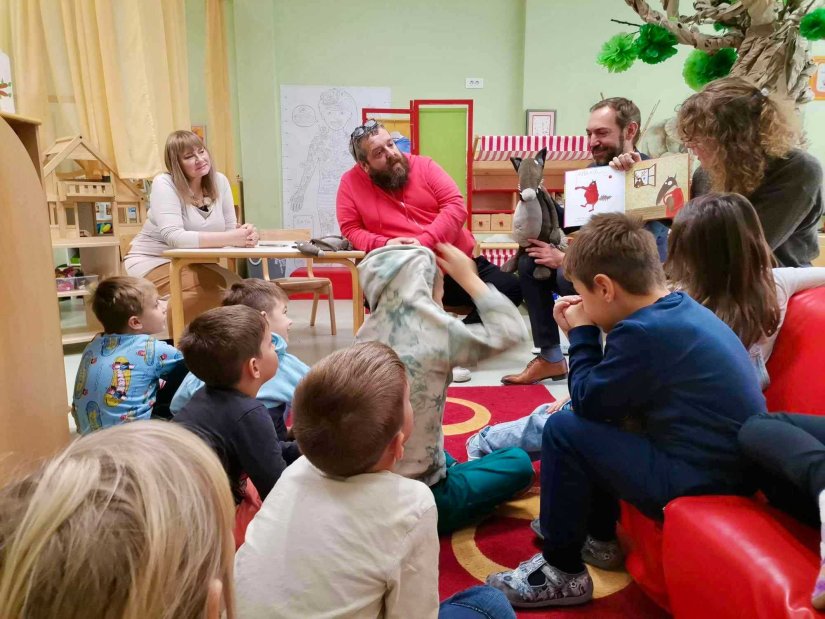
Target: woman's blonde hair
[[718, 255], [131, 522], [743, 128], [178, 144]]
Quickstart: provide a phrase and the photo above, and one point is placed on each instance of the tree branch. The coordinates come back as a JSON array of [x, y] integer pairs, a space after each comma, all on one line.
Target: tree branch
[[671, 8], [762, 12], [685, 34]]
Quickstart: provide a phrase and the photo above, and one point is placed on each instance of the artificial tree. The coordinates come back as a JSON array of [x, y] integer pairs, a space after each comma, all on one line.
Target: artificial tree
[[756, 39]]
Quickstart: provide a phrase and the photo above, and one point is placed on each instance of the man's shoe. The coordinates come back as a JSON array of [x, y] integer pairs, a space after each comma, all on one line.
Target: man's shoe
[[536, 583], [538, 369], [461, 375]]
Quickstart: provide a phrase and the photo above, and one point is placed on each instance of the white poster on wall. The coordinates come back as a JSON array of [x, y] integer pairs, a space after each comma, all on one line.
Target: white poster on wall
[[316, 122], [6, 94]]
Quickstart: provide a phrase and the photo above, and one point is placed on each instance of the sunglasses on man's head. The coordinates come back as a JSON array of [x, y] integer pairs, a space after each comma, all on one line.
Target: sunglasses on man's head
[[371, 126], [368, 127]]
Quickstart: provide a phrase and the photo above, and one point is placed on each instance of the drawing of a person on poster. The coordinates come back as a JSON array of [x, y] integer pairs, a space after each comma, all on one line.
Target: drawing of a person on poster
[[328, 155]]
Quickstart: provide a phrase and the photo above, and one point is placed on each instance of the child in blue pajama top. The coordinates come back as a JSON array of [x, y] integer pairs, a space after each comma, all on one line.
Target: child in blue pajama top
[[121, 368]]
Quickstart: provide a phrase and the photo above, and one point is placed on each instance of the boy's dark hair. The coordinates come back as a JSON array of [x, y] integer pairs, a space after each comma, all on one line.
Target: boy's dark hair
[[218, 343], [258, 294], [617, 246], [117, 299], [348, 408], [626, 112]]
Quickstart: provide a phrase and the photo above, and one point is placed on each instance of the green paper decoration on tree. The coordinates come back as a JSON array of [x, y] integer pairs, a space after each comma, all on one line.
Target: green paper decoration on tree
[[812, 26], [702, 68], [655, 44], [618, 53]]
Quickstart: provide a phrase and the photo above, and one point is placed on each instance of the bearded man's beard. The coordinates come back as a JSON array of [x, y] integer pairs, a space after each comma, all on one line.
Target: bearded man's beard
[[606, 154], [394, 176]]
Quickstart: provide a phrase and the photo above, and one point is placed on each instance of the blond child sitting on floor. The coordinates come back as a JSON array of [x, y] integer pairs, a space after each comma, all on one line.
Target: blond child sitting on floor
[[133, 522]]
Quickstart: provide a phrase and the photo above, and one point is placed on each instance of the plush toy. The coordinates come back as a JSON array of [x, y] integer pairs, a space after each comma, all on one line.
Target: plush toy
[[535, 216]]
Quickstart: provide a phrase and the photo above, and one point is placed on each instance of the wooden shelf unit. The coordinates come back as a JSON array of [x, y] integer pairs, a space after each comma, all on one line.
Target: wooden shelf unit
[[495, 195]]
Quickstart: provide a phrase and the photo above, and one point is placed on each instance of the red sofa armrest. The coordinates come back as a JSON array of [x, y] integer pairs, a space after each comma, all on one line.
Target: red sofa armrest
[[727, 557], [795, 366]]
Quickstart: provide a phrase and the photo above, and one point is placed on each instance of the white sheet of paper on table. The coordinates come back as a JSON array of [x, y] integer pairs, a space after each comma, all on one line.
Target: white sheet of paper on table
[[589, 191]]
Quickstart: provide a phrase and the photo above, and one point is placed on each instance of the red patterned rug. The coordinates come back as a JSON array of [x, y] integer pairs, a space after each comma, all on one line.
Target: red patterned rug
[[504, 539]]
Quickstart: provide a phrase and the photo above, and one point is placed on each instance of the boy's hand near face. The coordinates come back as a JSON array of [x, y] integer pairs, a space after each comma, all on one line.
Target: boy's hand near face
[[569, 313], [461, 268]]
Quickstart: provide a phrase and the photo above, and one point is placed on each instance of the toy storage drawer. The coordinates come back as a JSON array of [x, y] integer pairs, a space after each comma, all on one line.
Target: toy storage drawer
[[501, 222], [481, 223]]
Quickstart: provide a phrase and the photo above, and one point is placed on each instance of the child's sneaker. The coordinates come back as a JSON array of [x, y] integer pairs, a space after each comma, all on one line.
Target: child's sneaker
[[604, 555], [818, 596], [461, 375], [536, 583], [473, 451]]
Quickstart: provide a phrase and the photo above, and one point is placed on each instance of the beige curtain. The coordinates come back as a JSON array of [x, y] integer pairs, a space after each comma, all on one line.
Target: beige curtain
[[220, 137], [112, 71]]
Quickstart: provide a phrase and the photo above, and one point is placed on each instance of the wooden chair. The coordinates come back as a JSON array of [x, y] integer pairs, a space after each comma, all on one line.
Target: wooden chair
[[125, 246], [294, 285]]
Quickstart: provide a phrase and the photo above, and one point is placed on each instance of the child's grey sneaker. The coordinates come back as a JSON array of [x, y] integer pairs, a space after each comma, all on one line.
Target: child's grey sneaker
[[535, 524], [461, 375], [604, 555], [554, 588], [473, 451]]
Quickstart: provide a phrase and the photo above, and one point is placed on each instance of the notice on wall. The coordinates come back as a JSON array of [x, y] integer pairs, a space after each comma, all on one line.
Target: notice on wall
[[6, 86], [316, 123]]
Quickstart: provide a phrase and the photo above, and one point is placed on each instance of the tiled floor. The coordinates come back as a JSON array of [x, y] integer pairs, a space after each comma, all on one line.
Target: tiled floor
[[312, 343]]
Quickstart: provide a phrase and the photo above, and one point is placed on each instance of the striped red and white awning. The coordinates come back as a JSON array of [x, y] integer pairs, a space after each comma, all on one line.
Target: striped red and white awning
[[559, 147], [498, 256]]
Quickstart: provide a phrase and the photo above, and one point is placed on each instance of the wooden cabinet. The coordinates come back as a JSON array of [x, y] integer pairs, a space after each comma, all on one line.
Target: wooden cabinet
[[34, 406]]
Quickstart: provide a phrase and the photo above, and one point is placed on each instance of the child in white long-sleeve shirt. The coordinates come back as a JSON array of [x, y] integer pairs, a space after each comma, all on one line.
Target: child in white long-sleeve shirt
[[341, 535]]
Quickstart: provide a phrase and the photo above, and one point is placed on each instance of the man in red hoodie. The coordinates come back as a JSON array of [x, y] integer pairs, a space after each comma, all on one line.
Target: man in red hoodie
[[389, 198]]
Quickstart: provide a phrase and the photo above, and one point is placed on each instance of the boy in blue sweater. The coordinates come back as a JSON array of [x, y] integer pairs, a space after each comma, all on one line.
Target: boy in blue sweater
[[655, 414], [276, 394]]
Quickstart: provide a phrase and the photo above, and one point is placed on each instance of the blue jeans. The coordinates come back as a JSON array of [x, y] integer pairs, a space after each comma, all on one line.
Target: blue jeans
[[481, 601], [525, 433]]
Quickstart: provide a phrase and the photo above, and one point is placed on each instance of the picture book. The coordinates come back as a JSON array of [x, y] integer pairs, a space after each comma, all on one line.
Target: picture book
[[653, 189]]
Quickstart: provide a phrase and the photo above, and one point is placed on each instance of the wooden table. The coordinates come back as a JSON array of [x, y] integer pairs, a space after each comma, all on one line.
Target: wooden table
[[181, 258]]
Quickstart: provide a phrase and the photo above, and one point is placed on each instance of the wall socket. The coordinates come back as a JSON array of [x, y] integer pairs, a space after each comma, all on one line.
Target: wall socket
[[473, 82]]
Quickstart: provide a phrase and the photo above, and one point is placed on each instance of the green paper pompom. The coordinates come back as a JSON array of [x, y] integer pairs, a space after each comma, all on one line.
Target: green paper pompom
[[618, 53], [812, 26], [702, 68], [655, 44]]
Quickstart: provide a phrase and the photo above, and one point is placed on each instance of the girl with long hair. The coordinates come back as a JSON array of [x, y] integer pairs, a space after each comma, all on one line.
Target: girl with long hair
[[718, 254]]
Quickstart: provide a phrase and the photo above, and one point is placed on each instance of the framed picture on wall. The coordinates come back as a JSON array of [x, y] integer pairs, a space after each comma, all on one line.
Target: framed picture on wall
[[541, 122]]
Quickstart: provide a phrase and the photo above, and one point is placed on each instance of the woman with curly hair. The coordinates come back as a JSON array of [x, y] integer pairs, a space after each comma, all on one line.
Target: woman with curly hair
[[747, 142]]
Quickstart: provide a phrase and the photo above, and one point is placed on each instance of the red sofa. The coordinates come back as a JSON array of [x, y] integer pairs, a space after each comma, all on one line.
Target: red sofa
[[723, 556]]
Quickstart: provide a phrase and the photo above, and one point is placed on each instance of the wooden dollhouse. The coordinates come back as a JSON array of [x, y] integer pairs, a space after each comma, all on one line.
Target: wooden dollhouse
[[90, 210], [90, 202]]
